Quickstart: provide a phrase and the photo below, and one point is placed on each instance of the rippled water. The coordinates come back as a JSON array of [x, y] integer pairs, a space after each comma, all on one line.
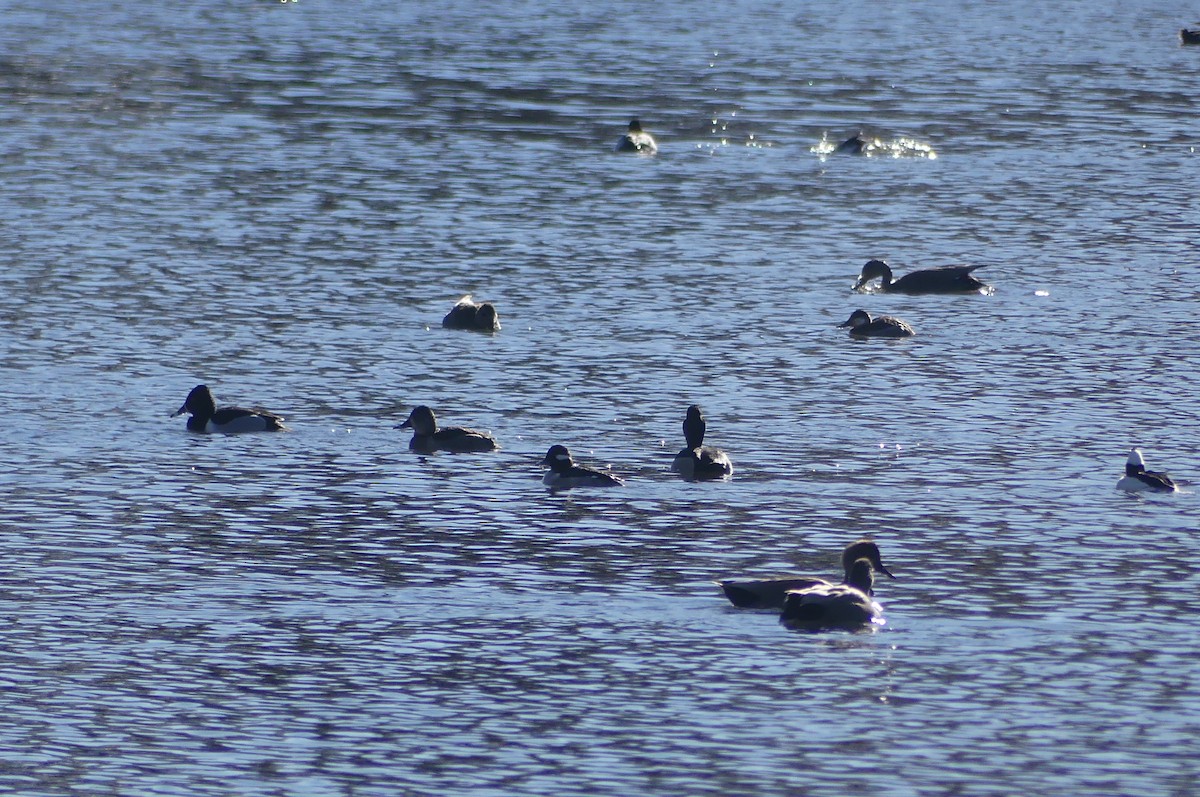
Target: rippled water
[[283, 199]]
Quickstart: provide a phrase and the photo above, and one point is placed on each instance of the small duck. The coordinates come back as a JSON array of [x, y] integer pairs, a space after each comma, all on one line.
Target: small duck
[[1189, 36], [853, 145], [826, 606], [427, 437], [885, 326], [1137, 479], [947, 279], [205, 417], [564, 473], [637, 140], [769, 593], [467, 314], [697, 461]]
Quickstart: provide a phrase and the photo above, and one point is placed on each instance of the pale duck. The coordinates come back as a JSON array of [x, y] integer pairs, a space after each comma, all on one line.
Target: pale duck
[[1137, 479]]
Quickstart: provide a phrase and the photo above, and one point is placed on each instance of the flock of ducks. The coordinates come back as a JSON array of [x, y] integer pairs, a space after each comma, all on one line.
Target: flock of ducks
[[803, 602]]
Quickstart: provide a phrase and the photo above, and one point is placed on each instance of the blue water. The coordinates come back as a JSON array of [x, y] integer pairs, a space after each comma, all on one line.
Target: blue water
[[282, 200]]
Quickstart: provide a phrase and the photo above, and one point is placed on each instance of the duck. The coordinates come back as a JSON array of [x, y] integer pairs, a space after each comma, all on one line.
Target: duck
[[427, 437], [205, 417], [853, 145], [467, 314], [1137, 479], [697, 461], [827, 606], [565, 473], [885, 326], [637, 140], [1189, 36], [770, 593], [947, 279]]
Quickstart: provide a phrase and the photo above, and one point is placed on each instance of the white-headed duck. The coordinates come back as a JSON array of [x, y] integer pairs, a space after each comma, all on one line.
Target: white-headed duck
[[1137, 479]]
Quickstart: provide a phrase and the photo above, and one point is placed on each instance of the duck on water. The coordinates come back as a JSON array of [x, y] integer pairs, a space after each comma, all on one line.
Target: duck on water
[[828, 606], [947, 279], [427, 437], [770, 593], [696, 461], [1137, 479], [637, 140], [862, 325], [205, 417]]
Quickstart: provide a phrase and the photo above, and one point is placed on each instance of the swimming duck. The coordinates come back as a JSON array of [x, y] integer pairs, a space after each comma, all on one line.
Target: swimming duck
[[1189, 36], [885, 326], [427, 437], [637, 140], [947, 279], [853, 145], [1137, 479], [696, 460], [847, 605], [564, 473], [472, 315], [769, 593], [205, 417]]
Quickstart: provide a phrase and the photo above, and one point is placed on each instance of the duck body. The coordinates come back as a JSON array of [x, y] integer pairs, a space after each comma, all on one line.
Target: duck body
[[852, 146], [770, 593], [1189, 36], [637, 140], [947, 279], [830, 606], [427, 437], [862, 325], [1139, 480], [479, 316], [565, 473], [206, 418], [696, 461]]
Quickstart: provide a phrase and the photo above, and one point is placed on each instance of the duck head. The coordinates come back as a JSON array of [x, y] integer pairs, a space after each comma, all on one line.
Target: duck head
[[863, 549], [421, 420], [694, 427], [557, 457], [1135, 464], [857, 319], [873, 269], [199, 402]]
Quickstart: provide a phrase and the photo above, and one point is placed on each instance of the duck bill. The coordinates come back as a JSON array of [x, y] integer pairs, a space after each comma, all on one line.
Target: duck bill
[[844, 324], [405, 425], [883, 569], [179, 411]]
